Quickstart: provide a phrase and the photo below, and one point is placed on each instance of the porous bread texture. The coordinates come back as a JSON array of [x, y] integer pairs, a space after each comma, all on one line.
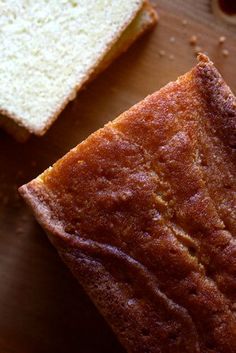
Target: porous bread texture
[[144, 20], [48, 50]]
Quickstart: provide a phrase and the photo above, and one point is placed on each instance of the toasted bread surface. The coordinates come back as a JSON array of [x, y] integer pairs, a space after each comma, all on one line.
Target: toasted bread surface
[[144, 214]]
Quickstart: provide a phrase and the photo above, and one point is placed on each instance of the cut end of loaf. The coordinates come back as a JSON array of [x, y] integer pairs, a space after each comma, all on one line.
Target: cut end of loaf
[[44, 77]]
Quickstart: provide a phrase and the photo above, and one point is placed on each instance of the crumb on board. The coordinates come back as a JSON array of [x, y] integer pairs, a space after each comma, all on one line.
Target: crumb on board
[[19, 230], [197, 49], [184, 22], [222, 39], [193, 40], [225, 52], [162, 52]]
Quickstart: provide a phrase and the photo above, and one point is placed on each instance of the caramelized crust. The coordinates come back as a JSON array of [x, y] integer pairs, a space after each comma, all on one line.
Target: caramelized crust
[[144, 214]]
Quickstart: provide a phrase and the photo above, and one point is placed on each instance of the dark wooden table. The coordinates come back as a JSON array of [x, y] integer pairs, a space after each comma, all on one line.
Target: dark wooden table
[[42, 308]]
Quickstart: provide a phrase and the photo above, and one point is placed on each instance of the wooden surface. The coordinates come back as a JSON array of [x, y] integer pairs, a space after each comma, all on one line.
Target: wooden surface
[[42, 308]]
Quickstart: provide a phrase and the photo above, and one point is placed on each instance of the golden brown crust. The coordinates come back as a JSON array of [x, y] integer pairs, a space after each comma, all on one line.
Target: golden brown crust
[[220, 98], [143, 212]]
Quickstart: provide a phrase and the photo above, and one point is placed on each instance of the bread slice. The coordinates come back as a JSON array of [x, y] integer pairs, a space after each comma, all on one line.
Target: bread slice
[[45, 76], [143, 212]]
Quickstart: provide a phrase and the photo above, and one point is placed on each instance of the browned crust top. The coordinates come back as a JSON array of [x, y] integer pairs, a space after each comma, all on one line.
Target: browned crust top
[[144, 214], [222, 102]]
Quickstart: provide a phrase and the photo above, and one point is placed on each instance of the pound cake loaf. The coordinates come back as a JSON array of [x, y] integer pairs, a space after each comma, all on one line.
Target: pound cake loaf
[[143, 212], [51, 49]]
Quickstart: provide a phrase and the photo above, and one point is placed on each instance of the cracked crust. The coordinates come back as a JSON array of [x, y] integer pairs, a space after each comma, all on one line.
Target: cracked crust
[[143, 213], [220, 98]]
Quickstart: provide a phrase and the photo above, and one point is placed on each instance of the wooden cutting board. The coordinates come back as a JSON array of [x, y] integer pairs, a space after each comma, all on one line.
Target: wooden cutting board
[[42, 308]]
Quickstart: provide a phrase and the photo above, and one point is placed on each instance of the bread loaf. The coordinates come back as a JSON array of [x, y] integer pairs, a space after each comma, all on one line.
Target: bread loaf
[[144, 214]]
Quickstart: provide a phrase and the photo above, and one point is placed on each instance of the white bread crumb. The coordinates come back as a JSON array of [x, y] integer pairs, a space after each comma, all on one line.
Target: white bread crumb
[[49, 48]]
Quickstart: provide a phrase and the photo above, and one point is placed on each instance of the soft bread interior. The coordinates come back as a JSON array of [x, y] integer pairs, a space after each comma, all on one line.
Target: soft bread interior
[[144, 20], [49, 49]]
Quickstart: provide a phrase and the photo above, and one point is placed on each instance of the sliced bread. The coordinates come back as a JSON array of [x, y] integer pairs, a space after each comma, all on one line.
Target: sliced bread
[[51, 49]]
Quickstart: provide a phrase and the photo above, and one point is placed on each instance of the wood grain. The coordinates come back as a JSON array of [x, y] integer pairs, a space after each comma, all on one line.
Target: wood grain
[[43, 309]]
